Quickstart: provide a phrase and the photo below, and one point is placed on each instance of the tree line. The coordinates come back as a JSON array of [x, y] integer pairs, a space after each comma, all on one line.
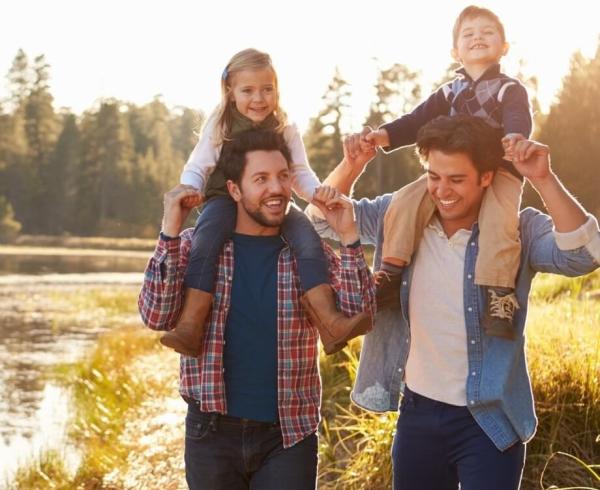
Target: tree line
[[102, 172]]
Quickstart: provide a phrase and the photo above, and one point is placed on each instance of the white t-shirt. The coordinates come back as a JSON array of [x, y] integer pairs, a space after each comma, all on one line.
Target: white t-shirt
[[204, 157], [437, 365]]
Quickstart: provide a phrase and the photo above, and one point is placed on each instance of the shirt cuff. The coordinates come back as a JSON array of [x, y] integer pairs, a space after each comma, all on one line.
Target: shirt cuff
[[167, 246], [587, 235], [167, 238]]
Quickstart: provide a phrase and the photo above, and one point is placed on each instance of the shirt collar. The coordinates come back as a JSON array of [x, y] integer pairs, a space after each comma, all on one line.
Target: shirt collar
[[492, 72], [461, 237]]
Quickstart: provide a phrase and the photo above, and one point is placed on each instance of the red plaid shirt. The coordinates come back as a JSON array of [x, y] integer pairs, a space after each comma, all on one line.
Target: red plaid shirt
[[299, 383]]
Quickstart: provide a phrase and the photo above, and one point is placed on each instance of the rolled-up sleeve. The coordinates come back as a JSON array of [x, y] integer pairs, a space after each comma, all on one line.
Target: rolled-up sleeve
[[351, 278], [587, 235], [161, 296], [570, 254]]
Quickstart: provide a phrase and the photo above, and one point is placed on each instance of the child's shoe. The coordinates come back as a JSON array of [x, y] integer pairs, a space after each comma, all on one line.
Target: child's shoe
[[499, 316], [186, 337], [335, 329], [388, 289]]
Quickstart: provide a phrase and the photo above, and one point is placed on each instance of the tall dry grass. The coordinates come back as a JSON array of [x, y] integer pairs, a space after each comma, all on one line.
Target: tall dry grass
[[563, 350]]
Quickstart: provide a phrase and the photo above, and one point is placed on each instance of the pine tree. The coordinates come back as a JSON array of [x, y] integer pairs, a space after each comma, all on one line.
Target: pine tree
[[104, 196], [62, 180], [323, 138], [41, 129], [397, 91], [572, 130]]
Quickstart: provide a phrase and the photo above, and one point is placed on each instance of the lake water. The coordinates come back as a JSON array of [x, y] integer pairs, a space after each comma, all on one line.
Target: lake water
[[40, 328]]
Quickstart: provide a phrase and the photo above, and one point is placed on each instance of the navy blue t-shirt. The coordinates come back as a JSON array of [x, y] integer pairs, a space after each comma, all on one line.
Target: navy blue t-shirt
[[250, 354]]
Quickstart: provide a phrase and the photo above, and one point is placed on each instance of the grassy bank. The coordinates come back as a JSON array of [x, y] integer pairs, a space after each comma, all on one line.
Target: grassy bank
[[103, 389], [564, 359]]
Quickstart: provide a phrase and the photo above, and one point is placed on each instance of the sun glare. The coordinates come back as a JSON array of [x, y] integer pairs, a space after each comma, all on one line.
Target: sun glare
[[179, 50]]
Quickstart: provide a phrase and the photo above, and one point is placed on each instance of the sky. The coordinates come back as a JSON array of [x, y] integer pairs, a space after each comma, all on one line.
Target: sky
[[134, 50]]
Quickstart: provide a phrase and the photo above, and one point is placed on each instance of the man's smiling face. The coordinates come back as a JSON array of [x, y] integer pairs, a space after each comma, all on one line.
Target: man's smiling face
[[456, 188], [263, 193]]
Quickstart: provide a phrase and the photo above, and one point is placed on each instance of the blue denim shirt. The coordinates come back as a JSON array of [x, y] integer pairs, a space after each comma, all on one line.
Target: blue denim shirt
[[499, 394]]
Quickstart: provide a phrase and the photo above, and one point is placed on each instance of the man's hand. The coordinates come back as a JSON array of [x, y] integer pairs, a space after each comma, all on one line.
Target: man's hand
[[509, 142], [175, 211], [338, 211], [532, 160], [358, 151]]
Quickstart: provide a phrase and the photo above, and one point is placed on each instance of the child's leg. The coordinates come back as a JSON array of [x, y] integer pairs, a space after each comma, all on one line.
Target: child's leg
[[305, 243], [407, 216], [499, 244], [335, 329], [214, 226], [499, 252], [409, 212]]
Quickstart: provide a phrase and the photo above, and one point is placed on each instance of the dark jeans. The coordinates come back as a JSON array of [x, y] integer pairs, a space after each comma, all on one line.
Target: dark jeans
[[216, 224], [229, 453], [437, 445]]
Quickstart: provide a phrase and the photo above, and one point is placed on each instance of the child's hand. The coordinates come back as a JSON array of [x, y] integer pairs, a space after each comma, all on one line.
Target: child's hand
[[379, 137], [192, 201], [508, 143], [355, 144]]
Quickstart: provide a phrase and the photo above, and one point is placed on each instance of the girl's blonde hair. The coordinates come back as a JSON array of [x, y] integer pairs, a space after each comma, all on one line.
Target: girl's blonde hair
[[248, 59]]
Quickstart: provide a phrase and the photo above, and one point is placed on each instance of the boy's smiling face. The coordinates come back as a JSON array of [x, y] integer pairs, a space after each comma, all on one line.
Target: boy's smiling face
[[479, 43]]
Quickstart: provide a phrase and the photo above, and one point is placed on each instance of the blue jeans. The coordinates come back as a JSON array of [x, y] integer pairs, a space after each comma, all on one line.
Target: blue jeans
[[230, 453], [216, 224], [437, 445]]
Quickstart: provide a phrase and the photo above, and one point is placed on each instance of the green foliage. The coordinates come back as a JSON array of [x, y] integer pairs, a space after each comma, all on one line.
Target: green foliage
[[323, 138], [99, 174], [9, 228], [398, 91], [572, 129]]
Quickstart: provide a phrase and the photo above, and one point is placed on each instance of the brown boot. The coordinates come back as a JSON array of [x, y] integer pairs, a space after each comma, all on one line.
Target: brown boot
[[335, 329], [186, 337]]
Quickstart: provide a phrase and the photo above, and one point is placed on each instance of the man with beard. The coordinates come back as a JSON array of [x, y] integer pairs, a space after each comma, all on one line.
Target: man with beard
[[254, 391], [467, 406]]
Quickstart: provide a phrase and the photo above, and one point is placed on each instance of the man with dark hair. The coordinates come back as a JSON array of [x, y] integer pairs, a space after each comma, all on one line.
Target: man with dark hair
[[254, 391], [467, 406]]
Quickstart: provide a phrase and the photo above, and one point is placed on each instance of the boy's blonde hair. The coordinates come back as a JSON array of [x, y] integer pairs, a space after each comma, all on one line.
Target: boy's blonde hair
[[471, 12], [248, 59]]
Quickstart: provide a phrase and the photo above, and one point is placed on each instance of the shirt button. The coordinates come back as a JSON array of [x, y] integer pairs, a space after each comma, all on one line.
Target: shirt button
[[472, 342], [472, 244], [440, 233], [399, 370], [472, 402], [473, 373], [470, 309], [469, 276], [404, 283], [229, 278], [407, 341]]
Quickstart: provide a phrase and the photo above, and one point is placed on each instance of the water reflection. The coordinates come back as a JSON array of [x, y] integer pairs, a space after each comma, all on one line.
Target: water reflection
[[41, 326], [64, 264]]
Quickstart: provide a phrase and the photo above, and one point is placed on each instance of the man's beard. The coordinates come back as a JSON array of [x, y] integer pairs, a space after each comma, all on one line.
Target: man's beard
[[258, 216]]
